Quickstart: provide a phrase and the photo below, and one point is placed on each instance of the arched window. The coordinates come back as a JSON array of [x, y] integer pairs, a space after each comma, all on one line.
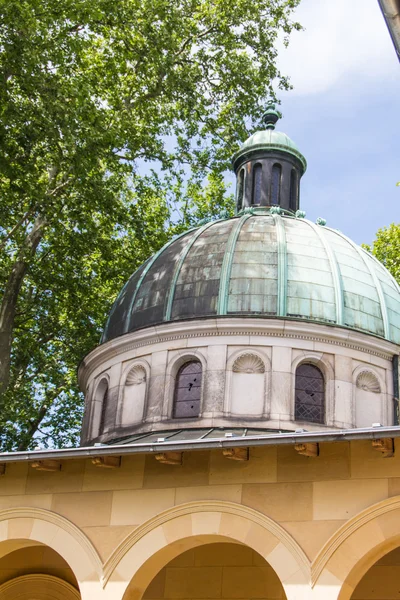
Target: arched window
[[276, 184], [257, 176], [293, 191], [309, 394], [103, 397], [188, 390], [240, 190]]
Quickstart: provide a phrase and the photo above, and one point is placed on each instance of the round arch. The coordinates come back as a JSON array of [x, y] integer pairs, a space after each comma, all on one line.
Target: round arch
[[151, 546], [354, 548], [20, 527], [319, 360], [262, 354], [42, 587], [173, 366], [257, 351], [384, 401], [128, 368]]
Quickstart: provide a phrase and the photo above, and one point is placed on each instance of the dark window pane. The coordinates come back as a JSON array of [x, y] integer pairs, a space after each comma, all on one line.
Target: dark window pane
[[240, 189], [309, 394], [276, 184], [257, 175], [188, 390], [186, 410], [293, 191]]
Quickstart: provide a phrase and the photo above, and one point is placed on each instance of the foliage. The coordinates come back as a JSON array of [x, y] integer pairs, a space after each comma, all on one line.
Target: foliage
[[386, 248], [91, 94]]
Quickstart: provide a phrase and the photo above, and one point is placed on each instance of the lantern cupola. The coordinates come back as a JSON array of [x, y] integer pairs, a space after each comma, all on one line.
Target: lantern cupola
[[268, 168]]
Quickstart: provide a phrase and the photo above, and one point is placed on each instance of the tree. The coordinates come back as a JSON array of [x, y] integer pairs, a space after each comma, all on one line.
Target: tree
[[386, 248], [90, 93]]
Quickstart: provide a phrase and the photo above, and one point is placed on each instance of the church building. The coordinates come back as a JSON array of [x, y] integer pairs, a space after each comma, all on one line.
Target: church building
[[241, 431]]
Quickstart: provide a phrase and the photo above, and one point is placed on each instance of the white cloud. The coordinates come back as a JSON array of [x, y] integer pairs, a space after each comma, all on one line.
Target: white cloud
[[344, 40]]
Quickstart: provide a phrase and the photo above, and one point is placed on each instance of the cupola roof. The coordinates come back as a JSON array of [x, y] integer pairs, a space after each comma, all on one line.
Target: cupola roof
[[268, 261], [261, 263], [268, 140]]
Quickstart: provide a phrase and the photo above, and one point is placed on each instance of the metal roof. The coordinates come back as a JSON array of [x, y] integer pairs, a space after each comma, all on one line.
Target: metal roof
[[261, 265], [239, 438], [270, 140]]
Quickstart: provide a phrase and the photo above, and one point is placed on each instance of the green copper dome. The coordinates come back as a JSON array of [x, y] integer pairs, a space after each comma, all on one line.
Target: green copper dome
[[265, 265], [270, 140]]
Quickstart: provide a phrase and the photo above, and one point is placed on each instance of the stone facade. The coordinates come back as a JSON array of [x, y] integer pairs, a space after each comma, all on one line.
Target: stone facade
[[280, 525], [357, 370]]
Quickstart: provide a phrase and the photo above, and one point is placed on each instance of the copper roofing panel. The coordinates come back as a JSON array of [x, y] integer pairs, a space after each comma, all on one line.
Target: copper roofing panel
[[261, 265]]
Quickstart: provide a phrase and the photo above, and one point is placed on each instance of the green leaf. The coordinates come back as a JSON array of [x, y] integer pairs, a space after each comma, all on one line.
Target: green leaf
[[118, 121]]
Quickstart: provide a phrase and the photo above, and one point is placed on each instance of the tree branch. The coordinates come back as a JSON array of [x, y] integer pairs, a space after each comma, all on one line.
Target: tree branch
[[11, 294], [14, 229]]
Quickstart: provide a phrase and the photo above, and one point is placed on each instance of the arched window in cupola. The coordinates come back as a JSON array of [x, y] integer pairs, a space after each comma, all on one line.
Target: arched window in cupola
[[293, 191], [188, 390], [240, 191], [276, 184], [257, 178], [309, 394]]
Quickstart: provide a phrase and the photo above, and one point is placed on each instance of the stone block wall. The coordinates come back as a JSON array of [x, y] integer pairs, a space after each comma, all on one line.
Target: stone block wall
[[317, 525]]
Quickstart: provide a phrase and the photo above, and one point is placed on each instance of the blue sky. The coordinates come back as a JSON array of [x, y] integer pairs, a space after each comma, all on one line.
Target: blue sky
[[344, 114]]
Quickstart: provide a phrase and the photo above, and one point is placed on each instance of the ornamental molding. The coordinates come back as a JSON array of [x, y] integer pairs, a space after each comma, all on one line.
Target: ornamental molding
[[204, 506], [136, 375], [248, 363], [49, 587], [210, 328], [368, 382]]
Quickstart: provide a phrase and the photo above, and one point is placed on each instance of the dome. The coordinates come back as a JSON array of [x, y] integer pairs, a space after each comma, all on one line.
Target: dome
[[261, 264], [268, 140]]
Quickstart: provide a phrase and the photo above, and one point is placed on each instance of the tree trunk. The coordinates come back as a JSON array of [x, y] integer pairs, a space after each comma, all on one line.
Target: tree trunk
[[10, 298]]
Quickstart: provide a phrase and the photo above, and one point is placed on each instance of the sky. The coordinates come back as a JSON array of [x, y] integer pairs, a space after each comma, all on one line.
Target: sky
[[344, 114]]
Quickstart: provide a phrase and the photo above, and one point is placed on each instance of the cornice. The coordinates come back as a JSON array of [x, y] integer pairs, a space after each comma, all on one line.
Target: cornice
[[235, 326]]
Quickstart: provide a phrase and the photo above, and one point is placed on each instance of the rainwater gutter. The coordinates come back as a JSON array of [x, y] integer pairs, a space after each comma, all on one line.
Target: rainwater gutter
[[391, 12], [278, 439]]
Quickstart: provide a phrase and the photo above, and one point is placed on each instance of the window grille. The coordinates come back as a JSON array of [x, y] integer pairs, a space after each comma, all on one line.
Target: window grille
[[309, 394], [188, 391]]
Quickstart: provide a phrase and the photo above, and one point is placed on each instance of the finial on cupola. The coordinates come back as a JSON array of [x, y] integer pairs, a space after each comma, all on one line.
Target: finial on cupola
[[271, 115]]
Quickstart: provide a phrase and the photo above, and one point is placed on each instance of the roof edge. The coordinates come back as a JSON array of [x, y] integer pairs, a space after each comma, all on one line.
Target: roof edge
[[278, 439]]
